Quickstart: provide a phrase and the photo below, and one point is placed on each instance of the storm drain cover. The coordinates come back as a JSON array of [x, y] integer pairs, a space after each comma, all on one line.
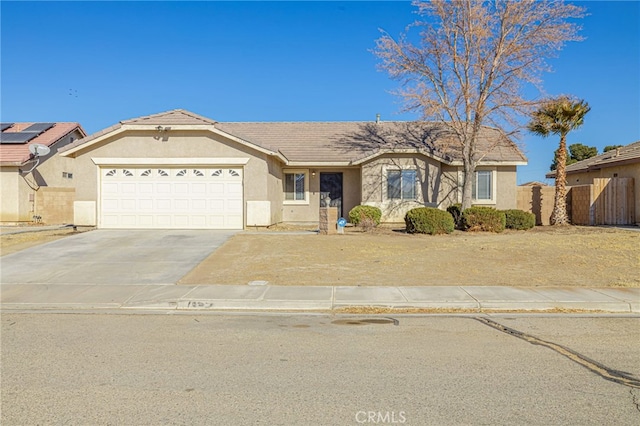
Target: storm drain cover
[[365, 321]]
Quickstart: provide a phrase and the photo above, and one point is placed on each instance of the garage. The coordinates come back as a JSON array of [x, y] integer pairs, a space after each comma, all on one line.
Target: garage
[[171, 197]]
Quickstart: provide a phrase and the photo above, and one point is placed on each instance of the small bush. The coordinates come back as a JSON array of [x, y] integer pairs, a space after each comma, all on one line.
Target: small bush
[[483, 219], [520, 220], [428, 220], [367, 213], [367, 224], [455, 211]]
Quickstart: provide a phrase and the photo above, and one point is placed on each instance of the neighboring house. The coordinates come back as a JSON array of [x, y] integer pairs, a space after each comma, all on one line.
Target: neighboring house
[[180, 170], [623, 162], [37, 188]]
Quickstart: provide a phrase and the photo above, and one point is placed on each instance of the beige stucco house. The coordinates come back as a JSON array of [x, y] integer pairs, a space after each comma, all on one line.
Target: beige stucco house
[[180, 170], [623, 162], [37, 188]]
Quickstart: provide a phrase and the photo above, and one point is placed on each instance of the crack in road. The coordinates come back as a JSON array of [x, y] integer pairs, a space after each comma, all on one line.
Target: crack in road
[[601, 370], [634, 399]]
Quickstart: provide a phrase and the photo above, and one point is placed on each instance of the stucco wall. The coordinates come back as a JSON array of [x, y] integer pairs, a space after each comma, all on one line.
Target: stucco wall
[[505, 194], [374, 181], [439, 185], [625, 171], [19, 191], [310, 211], [9, 201], [51, 168]]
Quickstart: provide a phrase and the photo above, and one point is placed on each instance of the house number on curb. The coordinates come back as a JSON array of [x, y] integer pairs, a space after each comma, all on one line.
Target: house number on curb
[[196, 304]]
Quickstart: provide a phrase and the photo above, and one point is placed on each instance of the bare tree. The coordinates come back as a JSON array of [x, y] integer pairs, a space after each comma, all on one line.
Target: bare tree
[[471, 63]]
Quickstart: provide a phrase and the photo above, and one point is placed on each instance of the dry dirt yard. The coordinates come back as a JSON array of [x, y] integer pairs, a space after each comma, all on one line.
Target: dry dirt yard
[[544, 256], [11, 243]]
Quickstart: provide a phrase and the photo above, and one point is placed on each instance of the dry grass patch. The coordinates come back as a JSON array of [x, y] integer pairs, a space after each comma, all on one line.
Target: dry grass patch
[[544, 256], [379, 310]]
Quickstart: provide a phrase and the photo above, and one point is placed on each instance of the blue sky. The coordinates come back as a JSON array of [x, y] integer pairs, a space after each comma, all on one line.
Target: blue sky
[[101, 62]]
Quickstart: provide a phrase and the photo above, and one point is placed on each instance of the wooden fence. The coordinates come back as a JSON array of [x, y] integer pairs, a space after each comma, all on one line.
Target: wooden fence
[[606, 201], [612, 202]]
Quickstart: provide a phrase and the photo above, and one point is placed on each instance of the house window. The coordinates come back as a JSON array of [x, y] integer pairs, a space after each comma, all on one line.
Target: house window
[[295, 188], [401, 184], [483, 185]]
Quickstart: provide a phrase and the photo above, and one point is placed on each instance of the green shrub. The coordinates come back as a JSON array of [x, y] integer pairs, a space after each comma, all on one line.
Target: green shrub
[[483, 219], [428, 220], [361, 212], [455, 211], [518, 219]]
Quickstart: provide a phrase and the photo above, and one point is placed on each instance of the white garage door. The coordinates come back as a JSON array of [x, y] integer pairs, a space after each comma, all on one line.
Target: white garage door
[[164, 197]]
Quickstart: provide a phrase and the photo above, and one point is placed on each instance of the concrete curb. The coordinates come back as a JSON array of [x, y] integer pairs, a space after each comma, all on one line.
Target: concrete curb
[[46, 297]]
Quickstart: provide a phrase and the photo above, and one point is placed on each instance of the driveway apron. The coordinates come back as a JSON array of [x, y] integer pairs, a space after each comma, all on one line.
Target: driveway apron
[[114, 257]]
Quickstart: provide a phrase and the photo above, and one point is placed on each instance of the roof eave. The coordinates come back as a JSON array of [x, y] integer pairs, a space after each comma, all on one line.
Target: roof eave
[[494, 163], [319, 164], [121, 128]]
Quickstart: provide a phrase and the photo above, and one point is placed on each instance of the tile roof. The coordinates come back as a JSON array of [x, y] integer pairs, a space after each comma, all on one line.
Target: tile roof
[[330, 142], [628, 154], [355, 141], [17, 154]]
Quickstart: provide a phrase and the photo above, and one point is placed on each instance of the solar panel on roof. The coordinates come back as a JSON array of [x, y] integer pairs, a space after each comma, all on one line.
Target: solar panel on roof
[[17, 137], [5, 126], [39, 127]]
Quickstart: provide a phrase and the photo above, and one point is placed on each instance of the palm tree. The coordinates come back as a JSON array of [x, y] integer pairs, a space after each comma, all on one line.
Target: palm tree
[[559, 116]]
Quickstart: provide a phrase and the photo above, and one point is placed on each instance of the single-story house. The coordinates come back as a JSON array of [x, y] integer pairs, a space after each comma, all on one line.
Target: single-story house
[[177, 169], [623, 162], [39, 187]]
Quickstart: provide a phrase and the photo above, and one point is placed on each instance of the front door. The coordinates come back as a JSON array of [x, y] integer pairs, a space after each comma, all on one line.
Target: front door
[[331, 191]]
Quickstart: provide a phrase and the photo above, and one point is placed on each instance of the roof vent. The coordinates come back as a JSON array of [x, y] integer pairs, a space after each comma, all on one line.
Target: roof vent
[[617, 152], [377, 118]]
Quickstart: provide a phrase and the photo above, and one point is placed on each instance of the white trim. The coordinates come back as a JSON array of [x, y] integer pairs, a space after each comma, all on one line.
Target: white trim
[[317, 164], [494, 181], [492, 163], [419, 197], [391, 151], [195, 161], [166, 127], [306, 187]]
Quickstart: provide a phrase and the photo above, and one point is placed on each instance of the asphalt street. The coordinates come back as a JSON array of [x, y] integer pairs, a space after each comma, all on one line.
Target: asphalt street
[[144, 369]]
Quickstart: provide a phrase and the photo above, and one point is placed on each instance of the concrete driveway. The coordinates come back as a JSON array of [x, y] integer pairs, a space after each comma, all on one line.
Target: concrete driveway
[[118, 257]]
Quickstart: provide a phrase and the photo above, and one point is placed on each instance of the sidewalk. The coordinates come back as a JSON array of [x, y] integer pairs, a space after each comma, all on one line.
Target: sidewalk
[[300, 299]]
